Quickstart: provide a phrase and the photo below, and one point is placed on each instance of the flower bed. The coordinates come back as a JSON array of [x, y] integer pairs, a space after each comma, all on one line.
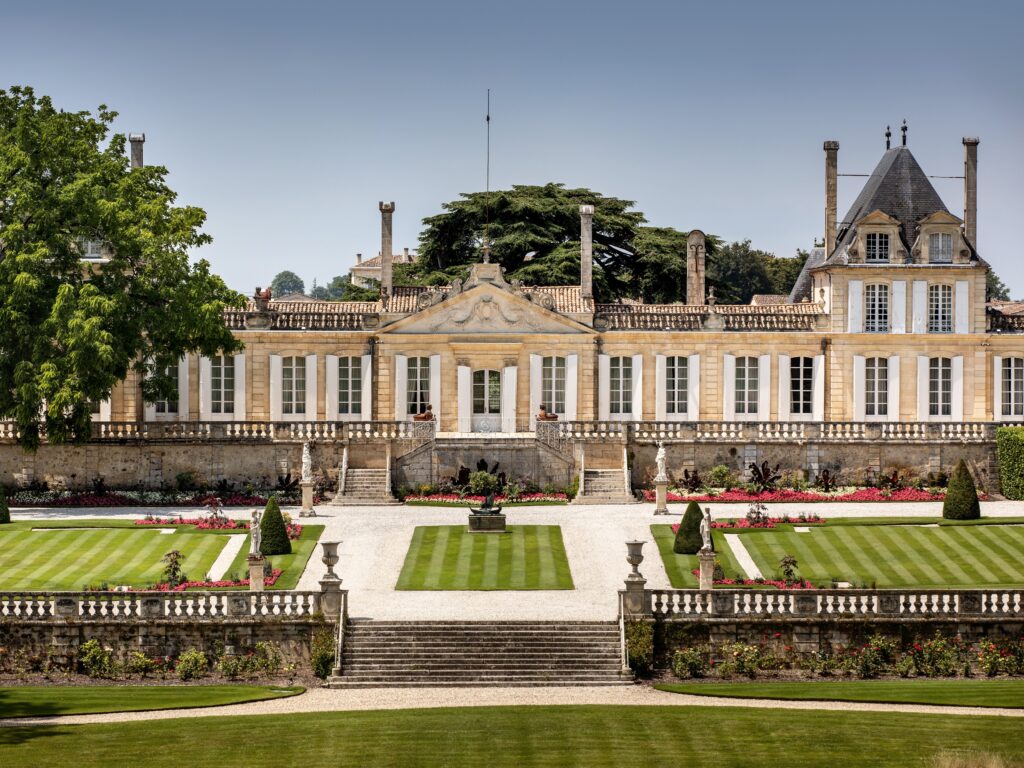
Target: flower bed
[[789, 495], [214, 524], [268, 581], [771, 522], [139, 499], [777, 583], [454, 500]]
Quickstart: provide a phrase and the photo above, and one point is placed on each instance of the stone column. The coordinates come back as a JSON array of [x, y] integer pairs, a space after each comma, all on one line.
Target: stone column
[[971, 190], [661, 496], [307, 499], [696, 245], [256, 572], [706, 558], [587, 251], [831, 189], [386, 212]]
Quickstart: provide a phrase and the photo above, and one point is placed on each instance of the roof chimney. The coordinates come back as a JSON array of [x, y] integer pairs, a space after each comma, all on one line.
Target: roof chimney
[[359, 258], [831, 176], [971, 190], [386, 209], [137, 140], [696, 245], [587, 251]]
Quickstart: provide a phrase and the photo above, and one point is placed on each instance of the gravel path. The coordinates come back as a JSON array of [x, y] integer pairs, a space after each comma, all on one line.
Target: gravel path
[[324, 700]]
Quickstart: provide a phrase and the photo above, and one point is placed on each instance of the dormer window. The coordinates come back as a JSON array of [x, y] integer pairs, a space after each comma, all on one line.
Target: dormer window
[[876, 248], [940, 248]]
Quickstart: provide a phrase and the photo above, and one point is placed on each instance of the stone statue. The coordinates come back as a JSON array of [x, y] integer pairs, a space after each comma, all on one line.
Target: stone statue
[[660, 459], [255, 535], [307, 463], [705, 528]]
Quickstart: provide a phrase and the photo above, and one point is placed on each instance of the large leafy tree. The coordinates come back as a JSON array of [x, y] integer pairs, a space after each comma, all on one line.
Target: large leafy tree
[[70, 330], [286, 282]]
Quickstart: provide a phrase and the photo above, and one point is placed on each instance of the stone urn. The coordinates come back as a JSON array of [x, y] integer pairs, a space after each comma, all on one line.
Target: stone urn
[[635, 556], [330, 556]]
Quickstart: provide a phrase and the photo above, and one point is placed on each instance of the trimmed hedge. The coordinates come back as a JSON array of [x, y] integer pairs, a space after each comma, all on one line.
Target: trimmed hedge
[[961, 501], [1010, 450], [688, 539], [5, 512], [275, 533]]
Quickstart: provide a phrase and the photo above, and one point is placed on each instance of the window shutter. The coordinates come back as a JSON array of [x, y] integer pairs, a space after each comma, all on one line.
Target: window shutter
[[435, 388], [571, 386], [331, 393], [509, 374], [465, 398], [997, 388], [961, 307], [205, 389], [784, 384], [855, 306], [818, 392], [401, 388], [894, 388], [366, 404], [660, 407], [183, 398], [957, 390], [919, 307], [638, 387], [693, 388], [275, 388], [764, 388], [104, 414], [604, 385], [899, 306], [536, 363], [240, 413], [729, 387], [922, 388], [311, 398], [859, 388]]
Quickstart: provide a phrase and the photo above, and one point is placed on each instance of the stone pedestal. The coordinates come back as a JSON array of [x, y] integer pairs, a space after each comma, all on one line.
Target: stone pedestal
[[487, 524], [661, 496], [706, 558], [256, 572], [307, 499]]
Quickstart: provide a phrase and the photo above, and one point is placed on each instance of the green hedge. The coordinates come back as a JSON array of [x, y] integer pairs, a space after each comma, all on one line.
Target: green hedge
[[688, 539], [1010, 447], [5, 512], [961, 501], [275, 533]]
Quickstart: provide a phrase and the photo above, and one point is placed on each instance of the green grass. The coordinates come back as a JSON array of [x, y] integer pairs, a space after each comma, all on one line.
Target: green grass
[[961, 693], [447, 557], [680, 567], [32, 701], [581, 736], [292, 564]]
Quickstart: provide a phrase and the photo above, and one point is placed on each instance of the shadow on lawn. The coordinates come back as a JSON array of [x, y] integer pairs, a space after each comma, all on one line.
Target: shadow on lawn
[[12, 735]]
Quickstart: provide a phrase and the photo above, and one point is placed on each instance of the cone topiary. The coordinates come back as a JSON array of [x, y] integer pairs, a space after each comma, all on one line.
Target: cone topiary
[[961, 501], [274, 532], [5, 512], [688, 539]]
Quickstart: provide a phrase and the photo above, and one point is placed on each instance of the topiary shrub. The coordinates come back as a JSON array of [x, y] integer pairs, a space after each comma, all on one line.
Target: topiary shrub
[[1010, 451], [275, 534], [321, 652], [5, 512], [961, 496], [483, 483], [688, 539]]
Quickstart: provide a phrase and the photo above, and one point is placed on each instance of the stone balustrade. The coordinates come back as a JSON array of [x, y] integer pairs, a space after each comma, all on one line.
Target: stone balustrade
[[695, 605], [118, 606]]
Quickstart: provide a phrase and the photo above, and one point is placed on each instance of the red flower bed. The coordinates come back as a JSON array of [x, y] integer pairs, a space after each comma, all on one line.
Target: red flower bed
[[268, 581], [771, 522], [777, 583], [454, 498], [788, 495], [214, 524]]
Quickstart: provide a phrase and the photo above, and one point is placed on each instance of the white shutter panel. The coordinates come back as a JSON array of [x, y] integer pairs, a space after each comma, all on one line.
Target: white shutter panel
[[604, 385], [818, 392], [205, 389], [311, 399], [894, 388], [660, 407], [239, 411], [571, 385], [183, 389], [693, 388], [961, 307], [919, 307], [332, 395], [729, 387], [401, 388], [957, 394], [997, 389], [464, 395], [435, 388], [366, 403], [764, 388], [275, 388], [508, 398], [638, 387], [784, 384], [899, 306], [104, 414], [855, 306], [859, 388], [536, 361], [922, 388]]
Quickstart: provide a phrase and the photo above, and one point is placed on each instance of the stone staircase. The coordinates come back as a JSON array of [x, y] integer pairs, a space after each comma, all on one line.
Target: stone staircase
[[603, 486], [365, 486], [479, 653]]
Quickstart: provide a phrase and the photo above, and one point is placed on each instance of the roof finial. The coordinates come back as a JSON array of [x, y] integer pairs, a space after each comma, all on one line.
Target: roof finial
[[888, 135], [903, 130]]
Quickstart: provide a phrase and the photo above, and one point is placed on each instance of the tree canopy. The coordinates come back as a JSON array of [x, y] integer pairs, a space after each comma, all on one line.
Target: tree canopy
[[286, 282], [71, 329]]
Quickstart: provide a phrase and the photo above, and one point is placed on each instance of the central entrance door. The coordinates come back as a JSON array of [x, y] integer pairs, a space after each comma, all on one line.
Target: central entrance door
[[486, 401]]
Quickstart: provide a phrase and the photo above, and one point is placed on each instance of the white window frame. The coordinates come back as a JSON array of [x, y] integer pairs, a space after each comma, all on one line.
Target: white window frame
[[940, 248], [553, 389], [746, 387], [876, 308], [620, 387], [940, 388], [222, 398], [417, 385], [293, 398], [801, 387], [876, 398], [350, 386], [677, 387], [940, 308], [151, 411], [206, 412], [483, 383], [1010, 386], [876, 248]]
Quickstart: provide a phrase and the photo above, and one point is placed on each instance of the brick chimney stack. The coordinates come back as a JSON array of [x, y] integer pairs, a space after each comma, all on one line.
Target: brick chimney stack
[[971, 190], [587, 251], [696, 245], [137, 140], [831, 186], [386, 210]]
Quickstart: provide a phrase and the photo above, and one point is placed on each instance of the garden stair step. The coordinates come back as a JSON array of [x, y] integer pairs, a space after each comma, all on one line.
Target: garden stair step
[[603, 486], [364, 487], [479, 653]]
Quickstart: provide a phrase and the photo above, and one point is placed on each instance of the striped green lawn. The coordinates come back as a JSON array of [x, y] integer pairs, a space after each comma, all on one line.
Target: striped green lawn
[[896, 555], [447, 557], [293, 565], [680, 567], [67, 559]]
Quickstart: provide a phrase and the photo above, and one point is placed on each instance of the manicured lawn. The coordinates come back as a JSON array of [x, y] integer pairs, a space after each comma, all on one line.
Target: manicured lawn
[[583, 736], [680, 567], [293, 564], [447, 557], [962, 693], [32, 701]]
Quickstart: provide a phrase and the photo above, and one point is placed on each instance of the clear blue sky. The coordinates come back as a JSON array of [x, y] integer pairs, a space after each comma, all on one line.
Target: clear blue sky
[[287, 122]]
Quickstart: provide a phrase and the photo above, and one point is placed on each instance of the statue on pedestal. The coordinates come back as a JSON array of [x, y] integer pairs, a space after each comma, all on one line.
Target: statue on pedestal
[[660, 460], [255, 535], [307, 463], [705, 529]]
